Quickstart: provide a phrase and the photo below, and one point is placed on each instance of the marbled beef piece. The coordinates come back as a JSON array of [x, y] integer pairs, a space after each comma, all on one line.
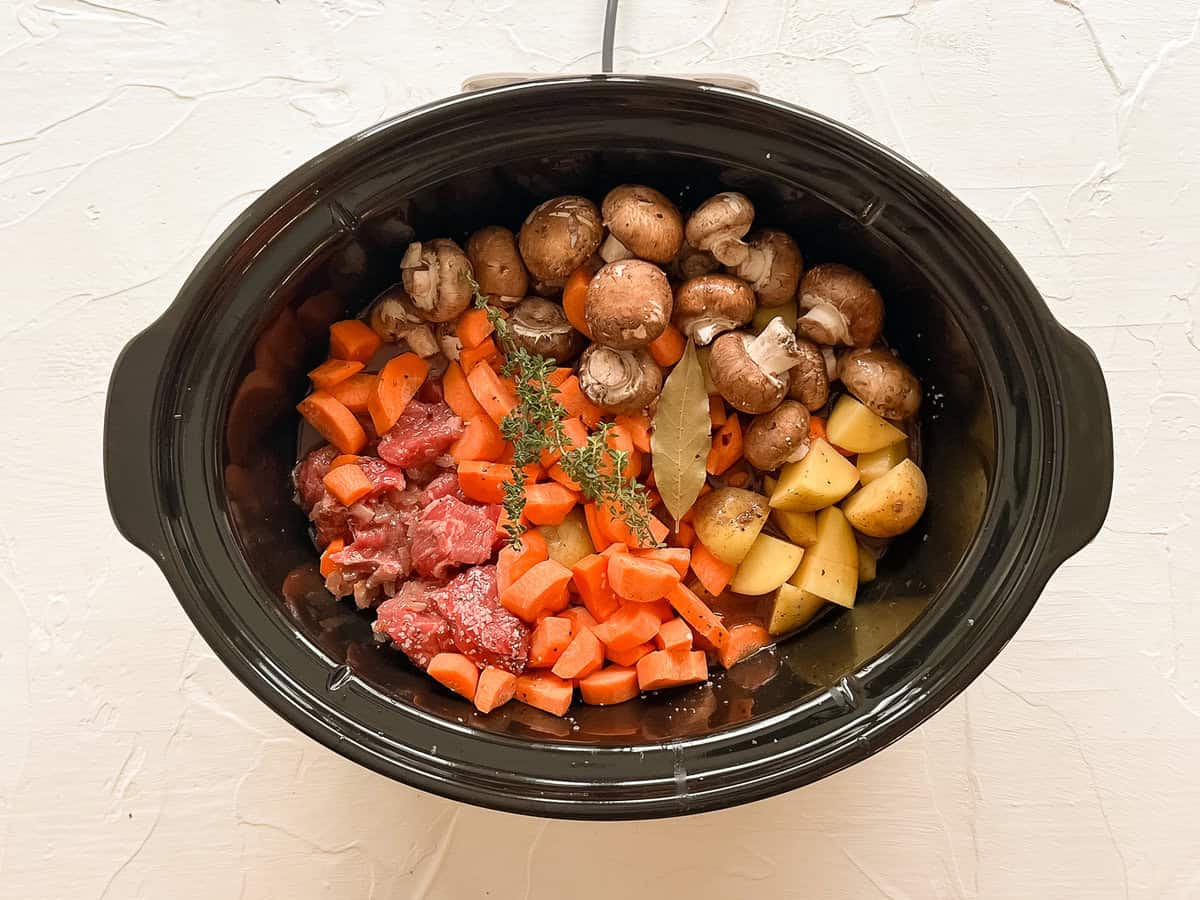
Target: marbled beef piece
[[309, 476], [423, 432], [412, 622], [482, 629], [451, 533]]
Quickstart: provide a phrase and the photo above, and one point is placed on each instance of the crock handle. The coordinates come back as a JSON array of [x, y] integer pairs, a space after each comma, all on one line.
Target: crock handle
[[130, 474], [1087, 451]]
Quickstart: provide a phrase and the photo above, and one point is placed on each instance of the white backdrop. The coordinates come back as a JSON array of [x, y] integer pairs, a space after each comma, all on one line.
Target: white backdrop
[[133, 766]]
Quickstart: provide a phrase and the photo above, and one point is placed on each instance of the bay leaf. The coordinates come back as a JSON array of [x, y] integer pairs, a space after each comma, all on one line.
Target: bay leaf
[[680, 441]]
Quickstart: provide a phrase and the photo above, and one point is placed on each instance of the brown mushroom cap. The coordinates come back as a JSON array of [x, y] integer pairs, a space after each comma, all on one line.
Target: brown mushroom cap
[[810, 377], [711, 304], [628, 304], [558, 236], [739, 379], [773, 267], [719, 224], [777, 437], [883, 383], [541, 327], [644, 221], [691, 263], [843, 307], [498, 267], [437, 276], [619, 381]]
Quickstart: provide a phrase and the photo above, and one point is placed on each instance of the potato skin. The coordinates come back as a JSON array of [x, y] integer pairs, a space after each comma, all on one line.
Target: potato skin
[[727, 520], [891, 504]]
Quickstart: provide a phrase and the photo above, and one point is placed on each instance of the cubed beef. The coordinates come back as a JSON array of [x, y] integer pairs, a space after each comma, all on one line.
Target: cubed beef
[[411, 620], [309, 476], [423, 432], [383, 476], [378, 557], [449, 533], [443, 485], [483, 629]]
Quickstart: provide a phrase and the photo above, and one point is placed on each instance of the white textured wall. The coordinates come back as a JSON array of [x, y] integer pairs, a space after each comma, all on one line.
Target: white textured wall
[[132, 765]]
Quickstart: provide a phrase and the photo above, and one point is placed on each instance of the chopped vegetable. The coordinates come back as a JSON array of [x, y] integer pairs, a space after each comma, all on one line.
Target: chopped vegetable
[[355, 392], [480, 440], [485, 351], [328, 566], [673, 634], [543, 587], [726, 446], [678, 558], [514, 561], [671, 668], [494, 394], [456, 672], [574, 298], [583, 656], [397, 383], [548, 504], [348, 484], [333, 421], [629, 626], [545, 691], [630, 656], [641, 580], [713, 573], [667, 349], [609, 686], [744, 640], [702, 619], [474, 327], [549, 639], [496, 687], [353, 339], [333, 371], [578, 617]]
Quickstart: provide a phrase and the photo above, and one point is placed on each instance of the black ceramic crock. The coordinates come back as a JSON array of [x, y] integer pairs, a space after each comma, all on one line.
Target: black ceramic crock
[[201, 431]]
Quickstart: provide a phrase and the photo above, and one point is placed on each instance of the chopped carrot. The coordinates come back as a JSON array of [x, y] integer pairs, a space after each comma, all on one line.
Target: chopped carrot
[[550, 638], [543, 587], [495, 396], [716, 410], [590, 576], [671, 668], [473, 328], [353, 339], [333, 371], [559, 474], [673, 634], [469, 359], [744, 640], [496, 687], [609, 686], [726, 446], [713, 573], [559, 375], [513, 563], [672, 556], [641, 580], [697, 614], [348, 484], [579, 618], [583, 656], [398, 382], [574, 298], [576, 434], [637, 425], [545, 691], [458, 393], [614, 548], [480, 440], [333, 421], [328, 566], [667, 349], [629, 656], [627, 627], [600, 537], [456, 672], [614, 526], [621, 441], [683, 535], [355, 392], [816, 428], [345, 459], [570, 395], [482, 481], [661, 608], [548, 504]]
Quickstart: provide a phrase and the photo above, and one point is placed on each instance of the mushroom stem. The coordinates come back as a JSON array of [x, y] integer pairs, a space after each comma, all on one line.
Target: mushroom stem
[[757, 263], [612, 250], [422, 342], [825, 324], [831, 363], [774, 351], [705, 330]]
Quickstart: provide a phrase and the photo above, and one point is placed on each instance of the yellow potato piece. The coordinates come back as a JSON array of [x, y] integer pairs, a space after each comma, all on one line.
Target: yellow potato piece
[[569, 541], [853, 427], [819, 480], [770, 563], [879, 462], [728, 520], [829, 568], [792, 608], [891, 504], [866, 565], [800, 527]]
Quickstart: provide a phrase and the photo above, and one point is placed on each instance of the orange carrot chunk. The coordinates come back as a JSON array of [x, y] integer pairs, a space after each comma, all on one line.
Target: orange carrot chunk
[[355, 392], [576, 434], [353, 339], [559, 375], [744, 640], [473, 328], [615, 684], [548, 504], [458, 394], [328, 566], [557, 473], [697, 614], [348, 484], [714, 574], [671, 668], [570, 395], [545, 691], [469, 359], [679, 558], [398, 382], [346, 459], [574, 297], [513, 563], [726, 446], [600, 537], [638, 427], [667, 349], [673, 634], [543, 587], [333, 371], [716, 410], [583, 656], [550, 638], [627, 627], [641, 580], [590, 576], [333, 421], [483, 482], [495, 688], [579, 618], [661, 608], [456, 672], [480, 440], [628, 657], [494, 394]]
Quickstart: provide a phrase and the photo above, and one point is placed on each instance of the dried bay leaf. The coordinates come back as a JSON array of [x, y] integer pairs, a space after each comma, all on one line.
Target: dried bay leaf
[[680, 441]]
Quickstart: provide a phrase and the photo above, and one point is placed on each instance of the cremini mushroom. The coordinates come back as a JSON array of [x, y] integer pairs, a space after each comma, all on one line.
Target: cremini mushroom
[[498, 267], [718, 226], [394, 318], [541, 327], [842, 307], [750, 372], [437, 276], [691, 263], [773, 266], [641, 223], [883, 383], [557, 237], [708, 305], [628, 304], [810, 377], [777, 437], [619, 381]]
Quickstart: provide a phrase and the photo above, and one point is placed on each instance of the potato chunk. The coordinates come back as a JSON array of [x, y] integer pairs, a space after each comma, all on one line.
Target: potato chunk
[[770, 563], [853, 427], [728, 520], [891, 504], [821, 479]]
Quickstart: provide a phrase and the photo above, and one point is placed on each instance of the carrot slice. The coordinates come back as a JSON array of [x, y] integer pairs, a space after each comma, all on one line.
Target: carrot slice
[[513, 563], [353, 339], [672, 556], [616, 529], [495, 396], [697, 614], [570, 395], [550, 638], [620, 440], [474, 327], [348, 484], [716, 410], [671, 668], [559, 375], [627, 627], [816, 428], [496, 687], [543, 587], [483, 482], [398, 382], [469, 359], [574, 298], [661, 608], [576, 434], [638, 427], [557, 473], [609, 686], [628, 657], [354, 392], [684, 535], [614, 549], [456, 672], [744, 640], [600, 537], [333, 371], [480, 440], [641, 580], [545, 691], [458, 394], [345, 459], [714, 574], [583, 656], [590, 576], [673, 634], [726, 446], [328, 566], [333, 421], [548, 504], [667, 349]]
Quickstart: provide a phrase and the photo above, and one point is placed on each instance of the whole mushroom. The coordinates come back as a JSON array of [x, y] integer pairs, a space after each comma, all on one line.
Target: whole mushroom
[[718, 226], [394, 318], [619, 381], [557, 237], [777, 437], [772, 266], [708, 305], [437, 276], [751, 372], [641, 223], [810, 377], [843, 307], [499, 270], [541, 327], [883, 383], [628, 304]]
